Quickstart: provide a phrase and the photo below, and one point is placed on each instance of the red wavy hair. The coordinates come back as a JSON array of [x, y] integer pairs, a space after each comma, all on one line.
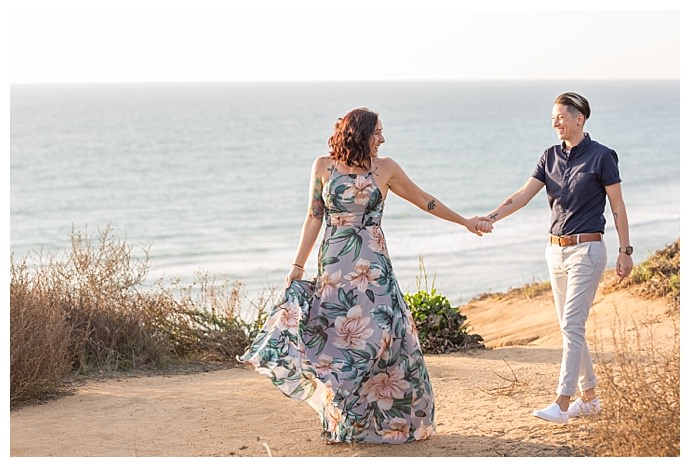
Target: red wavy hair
[[349, 142]]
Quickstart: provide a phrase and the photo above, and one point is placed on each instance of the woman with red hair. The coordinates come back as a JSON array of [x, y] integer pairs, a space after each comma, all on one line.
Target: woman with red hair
[[346, 342]]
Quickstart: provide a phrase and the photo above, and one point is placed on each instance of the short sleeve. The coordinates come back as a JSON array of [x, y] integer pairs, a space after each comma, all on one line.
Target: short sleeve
[[540, 170], [610, 173]]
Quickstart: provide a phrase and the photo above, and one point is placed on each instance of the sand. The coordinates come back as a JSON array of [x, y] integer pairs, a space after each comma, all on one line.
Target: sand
[[484, 399]]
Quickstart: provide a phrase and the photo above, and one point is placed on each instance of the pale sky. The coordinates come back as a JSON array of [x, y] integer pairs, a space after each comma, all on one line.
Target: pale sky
[[214, 40]]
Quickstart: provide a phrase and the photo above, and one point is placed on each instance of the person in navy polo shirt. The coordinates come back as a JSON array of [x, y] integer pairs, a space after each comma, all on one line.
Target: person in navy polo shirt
[[579, 175]]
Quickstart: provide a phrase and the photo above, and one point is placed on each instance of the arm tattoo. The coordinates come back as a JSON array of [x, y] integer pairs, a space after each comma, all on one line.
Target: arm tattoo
[[494, 216], [317, 204], [431, 205]]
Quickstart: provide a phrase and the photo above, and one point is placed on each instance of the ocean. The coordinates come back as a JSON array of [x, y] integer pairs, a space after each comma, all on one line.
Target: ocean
[[212, 178]]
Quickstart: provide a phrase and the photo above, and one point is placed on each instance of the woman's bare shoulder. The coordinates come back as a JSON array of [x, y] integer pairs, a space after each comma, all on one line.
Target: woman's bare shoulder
[[323, 160], [387, 163], [322, 164]]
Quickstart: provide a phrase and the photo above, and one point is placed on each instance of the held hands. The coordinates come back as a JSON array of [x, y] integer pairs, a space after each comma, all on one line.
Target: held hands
[[479, 225]]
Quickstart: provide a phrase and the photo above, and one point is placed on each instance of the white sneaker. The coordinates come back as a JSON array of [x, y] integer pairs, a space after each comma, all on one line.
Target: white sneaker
[[579, 407], [552, 413]]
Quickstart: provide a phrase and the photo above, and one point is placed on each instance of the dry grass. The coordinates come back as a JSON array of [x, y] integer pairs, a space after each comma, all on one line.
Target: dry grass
[[511, 384], [639, 385], [639, 382], [90, 312], [40, 335]]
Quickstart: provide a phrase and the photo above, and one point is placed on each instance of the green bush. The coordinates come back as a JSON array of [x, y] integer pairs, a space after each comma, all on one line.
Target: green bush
[[441, 326]]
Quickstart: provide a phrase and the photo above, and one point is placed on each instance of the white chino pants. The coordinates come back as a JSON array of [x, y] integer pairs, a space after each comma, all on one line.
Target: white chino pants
[[575, 272]]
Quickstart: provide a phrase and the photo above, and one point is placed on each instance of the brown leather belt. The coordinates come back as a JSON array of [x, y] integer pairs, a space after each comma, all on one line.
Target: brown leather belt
[[568, 240]]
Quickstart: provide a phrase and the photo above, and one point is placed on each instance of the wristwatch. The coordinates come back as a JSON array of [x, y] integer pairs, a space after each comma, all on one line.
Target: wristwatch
[[628, 250]]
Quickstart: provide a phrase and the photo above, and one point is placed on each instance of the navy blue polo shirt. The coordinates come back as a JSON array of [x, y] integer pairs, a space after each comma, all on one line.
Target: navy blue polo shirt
[[575, 185]]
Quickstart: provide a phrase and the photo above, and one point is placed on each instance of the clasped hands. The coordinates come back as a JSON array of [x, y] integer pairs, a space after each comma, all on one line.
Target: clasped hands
[[479, 225]]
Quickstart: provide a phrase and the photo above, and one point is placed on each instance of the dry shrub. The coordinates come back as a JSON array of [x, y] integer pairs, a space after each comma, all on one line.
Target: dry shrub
[[90, 311], [639, 384], [203, 321], [40, 338], [100, 290]]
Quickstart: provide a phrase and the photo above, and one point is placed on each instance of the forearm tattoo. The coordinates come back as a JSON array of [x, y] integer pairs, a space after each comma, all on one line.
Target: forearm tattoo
[[494, 216], [431, 205], [317, 204]]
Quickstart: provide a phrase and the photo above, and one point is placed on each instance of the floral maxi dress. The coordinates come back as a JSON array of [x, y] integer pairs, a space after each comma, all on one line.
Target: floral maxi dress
[[346, 343]]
